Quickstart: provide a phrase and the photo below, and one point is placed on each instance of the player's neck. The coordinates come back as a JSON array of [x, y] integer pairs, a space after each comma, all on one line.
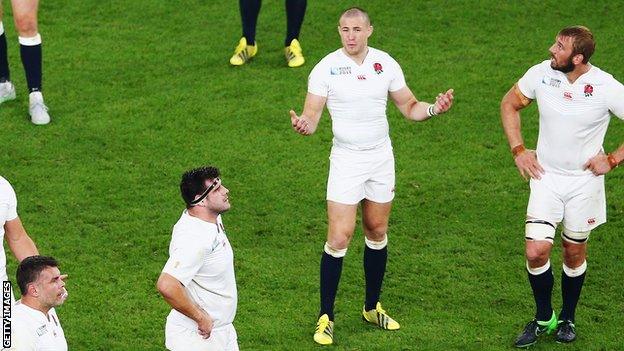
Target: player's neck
[[577, 72], [357, 57], [203, 214], [35, 305]]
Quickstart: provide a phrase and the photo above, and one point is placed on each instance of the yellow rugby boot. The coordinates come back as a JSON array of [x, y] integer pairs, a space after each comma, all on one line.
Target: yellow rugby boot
[[294, 54], [243, 52], [324, 333], [379, 317]]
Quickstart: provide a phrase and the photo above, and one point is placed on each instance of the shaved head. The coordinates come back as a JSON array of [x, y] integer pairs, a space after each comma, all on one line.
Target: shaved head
[[355, 12]]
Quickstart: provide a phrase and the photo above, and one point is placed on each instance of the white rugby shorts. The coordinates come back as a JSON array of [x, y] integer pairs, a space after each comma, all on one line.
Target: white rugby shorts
[[355, 175], [180, 338], [578, 201]]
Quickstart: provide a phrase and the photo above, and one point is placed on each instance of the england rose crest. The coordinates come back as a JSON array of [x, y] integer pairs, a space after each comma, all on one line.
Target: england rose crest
[[588, 90], [377, 67]]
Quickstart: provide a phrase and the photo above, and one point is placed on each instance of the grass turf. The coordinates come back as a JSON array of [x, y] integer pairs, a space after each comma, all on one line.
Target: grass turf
[[140, 91]]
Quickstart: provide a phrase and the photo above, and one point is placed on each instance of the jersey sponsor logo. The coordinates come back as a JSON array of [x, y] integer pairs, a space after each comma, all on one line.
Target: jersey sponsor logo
[[556, 83], [591, 221], [567, 95], [361, 77], [42, 330], [377, 67], [588, 90], [337, 71]]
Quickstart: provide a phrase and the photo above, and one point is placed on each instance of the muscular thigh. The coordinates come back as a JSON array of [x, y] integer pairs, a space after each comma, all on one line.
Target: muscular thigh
[[375, 218], [341, 220]]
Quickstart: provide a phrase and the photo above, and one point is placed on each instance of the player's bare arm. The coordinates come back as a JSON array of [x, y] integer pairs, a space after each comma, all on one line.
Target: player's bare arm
[[18, 240], [525, 159], [175, 295], [603, 163], [308, 121], [416, 110]]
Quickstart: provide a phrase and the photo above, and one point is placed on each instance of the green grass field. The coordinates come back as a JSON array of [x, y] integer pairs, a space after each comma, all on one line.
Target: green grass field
[[140, 91]]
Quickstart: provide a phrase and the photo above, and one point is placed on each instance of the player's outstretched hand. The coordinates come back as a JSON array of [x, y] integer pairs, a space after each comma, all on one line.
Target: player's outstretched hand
[[301, 124], [204, 325], [528, 166], [444, 101], [598, 164]]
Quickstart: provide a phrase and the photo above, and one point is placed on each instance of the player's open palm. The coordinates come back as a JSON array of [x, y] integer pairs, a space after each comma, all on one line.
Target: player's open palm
[[528, 166]]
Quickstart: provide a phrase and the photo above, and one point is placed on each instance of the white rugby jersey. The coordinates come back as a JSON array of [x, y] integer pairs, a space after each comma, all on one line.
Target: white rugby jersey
[[573, 117], [201, 258], [357, 96], [32, 330], [8, 212]]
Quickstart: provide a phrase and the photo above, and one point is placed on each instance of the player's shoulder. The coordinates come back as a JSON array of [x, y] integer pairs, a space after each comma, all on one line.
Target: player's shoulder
[[601, 76], [4, 184], [192, 230], [330, 59]]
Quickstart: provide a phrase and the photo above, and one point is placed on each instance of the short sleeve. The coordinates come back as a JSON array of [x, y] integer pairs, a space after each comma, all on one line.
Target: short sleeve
[[8, 202], [528, 83], [186, 257], [318, 80], [398, 79], [615, 99]]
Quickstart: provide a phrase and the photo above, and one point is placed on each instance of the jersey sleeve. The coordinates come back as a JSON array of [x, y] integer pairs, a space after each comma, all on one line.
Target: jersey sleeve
[[398, 79], [8, 202], [185, 259], [615, 99], [317, 80], [529, 82]]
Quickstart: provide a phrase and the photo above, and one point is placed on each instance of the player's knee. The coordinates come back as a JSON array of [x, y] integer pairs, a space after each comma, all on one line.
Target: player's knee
[[338, 242], [537, 256], [26, 25]]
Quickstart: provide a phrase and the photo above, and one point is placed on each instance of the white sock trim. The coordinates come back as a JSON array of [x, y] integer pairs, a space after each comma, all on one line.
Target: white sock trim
[[575, 272], [538, 270], [36, 40], [376, 245], [1, 28], [334, 252]]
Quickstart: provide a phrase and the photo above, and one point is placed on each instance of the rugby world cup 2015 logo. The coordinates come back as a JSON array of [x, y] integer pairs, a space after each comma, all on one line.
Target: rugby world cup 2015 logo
[[377, 67], [588, 90]]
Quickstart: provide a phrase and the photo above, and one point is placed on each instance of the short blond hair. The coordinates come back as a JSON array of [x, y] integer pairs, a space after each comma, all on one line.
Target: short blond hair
[[354, 12]]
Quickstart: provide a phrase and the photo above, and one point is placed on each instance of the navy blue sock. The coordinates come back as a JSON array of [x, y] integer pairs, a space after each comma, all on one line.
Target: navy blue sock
[[249, 10], [4, 60], [570, 293], [542, 285], [295, 12], [374, 270], [31, 59], [331, 269]]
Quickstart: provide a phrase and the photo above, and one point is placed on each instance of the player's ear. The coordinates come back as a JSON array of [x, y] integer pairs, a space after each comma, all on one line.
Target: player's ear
[[31, 290], [578, 59]]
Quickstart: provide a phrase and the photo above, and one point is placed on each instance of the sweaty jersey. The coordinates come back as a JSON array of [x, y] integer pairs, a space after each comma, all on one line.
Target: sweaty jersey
[[8, 212], [573, 118], [201, 258], [357, 96], [32, 330]]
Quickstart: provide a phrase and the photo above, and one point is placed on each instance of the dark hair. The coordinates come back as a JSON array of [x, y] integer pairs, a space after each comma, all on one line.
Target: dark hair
[[29, 269], [355, 11], [194, 182], [583, 41]]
